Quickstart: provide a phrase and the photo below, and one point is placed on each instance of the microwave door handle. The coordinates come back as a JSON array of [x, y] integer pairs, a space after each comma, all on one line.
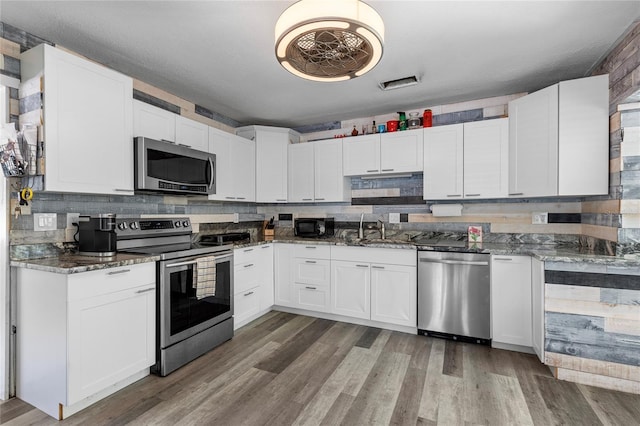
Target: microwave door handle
[[211, 171]]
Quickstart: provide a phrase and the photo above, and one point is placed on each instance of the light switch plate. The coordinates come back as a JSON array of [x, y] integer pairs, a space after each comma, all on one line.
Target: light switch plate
[[45, 221], [538, 218], [394, 217]]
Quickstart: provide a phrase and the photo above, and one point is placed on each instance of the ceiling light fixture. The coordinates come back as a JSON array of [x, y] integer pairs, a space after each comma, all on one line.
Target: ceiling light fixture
[[401, 82], [329, 40]]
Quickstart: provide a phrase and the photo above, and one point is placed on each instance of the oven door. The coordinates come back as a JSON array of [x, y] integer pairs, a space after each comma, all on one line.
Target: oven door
[[183, 312]]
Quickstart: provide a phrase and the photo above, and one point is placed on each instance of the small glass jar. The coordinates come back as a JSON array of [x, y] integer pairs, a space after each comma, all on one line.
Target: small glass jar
[[414, 120]]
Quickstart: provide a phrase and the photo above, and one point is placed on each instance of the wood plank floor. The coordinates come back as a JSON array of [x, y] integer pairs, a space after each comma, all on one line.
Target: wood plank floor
[[287, 369]]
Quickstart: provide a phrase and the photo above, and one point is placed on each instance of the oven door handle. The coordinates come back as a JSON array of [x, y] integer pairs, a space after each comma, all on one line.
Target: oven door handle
[[193, 262]]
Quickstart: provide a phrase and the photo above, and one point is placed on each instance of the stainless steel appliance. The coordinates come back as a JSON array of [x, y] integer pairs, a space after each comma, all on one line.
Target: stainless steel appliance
[[454, 295], [97, 235], [168, 167], [314, 227], [194, 288]]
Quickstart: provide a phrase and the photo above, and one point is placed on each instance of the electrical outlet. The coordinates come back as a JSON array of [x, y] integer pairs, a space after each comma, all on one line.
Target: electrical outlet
[[45, 221], [539, 218], [71, 219], [394, 217]]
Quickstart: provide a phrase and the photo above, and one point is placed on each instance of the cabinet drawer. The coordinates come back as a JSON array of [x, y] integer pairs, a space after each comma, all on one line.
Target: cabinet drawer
[[110, 280], [312, 251], [312, 271], [375, 255], [248, 254], [246, 304], [315, 298], [246, 276]]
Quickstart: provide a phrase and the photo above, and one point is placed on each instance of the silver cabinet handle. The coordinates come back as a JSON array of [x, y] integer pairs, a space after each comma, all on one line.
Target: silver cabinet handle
[[122, 190], [454, 195], [265, 246], [516, 193], [455, 262], [310, 247], [246, 250], [212, 171], [377, 267], [230, 198], [122, 271], [310, 261], [319, 199], [362, 266], [307, 199], [372, 171], [387, 170], [184, 144], [471, 195], [249, 265], [281, 199], [241, 198], [248, 294], [310, 288], [145, 290], [503, 258]]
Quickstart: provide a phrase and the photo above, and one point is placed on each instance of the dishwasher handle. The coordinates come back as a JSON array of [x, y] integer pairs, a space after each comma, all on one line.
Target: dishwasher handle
[[456, 262]]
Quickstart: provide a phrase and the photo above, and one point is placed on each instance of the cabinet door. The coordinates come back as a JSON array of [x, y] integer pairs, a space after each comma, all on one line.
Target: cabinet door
[[511, 300], [401, 152], [533, 144], [88, 114], [110, 338], [243, 163], [283, 275], [329, 182], [443, 162], [350, 283], [486, 159], [153, 122], [361, 155], [394, 294], [192, 134], [246, 275], [301, 176], [265, 255], [537, 307], [271, 167], [583, 136], [220, 145]]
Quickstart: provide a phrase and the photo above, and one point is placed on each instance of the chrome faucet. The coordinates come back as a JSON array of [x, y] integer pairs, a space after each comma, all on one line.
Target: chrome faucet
[[360, 230], [381, 229]]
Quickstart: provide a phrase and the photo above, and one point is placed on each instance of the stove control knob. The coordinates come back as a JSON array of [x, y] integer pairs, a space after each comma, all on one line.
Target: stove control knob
[[185, 223], [133, 225], [122, 226], [178, 224]]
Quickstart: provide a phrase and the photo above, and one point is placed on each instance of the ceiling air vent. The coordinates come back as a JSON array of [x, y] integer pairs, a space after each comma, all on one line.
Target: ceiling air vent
[[401, 82]]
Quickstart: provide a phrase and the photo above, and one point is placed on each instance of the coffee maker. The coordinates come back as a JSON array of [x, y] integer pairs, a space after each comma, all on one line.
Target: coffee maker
[[97, 235]]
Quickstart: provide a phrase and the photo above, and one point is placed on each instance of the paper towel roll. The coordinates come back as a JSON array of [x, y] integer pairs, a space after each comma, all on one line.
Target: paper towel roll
[[446, 209]]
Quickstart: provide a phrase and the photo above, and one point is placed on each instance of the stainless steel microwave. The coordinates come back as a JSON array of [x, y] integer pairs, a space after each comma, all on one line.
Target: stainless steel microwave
[[168, 167]]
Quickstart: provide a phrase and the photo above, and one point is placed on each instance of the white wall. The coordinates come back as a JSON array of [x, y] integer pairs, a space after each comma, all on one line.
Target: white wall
[[5, 299]]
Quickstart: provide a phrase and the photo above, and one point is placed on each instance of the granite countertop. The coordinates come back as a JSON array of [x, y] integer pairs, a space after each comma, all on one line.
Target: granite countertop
[[69, 263]]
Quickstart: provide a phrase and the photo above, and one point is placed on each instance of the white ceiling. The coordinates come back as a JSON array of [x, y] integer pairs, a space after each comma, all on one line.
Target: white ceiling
[[220, 54]]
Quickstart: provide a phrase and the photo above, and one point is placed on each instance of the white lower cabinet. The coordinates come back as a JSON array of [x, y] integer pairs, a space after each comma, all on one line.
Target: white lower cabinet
[[511, 300], [537, 307], [312, 277], [350, 283], [253, 283], [375, 284], [81, 337], [283, 275], [394, 294]]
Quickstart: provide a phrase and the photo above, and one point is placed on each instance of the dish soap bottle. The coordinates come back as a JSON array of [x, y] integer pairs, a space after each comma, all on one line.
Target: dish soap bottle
[[402, 125]]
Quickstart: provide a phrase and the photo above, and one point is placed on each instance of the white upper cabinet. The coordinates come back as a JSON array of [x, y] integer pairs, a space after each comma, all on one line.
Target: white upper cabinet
[[361, 155], [235, 166], [558, 140], [88, 111], [153, 122], [301, 176], [443, 162], [401, 152], [533, 144], [271, 160], [192, 134], [467, 160], [385, 153], [486, 159], [315, 172]]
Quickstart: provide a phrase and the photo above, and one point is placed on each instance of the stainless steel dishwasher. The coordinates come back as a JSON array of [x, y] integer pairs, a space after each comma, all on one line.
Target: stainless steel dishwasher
[[454, 295]]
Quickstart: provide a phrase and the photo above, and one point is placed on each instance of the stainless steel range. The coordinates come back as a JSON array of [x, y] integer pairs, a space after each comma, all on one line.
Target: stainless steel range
[[194, 288]]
